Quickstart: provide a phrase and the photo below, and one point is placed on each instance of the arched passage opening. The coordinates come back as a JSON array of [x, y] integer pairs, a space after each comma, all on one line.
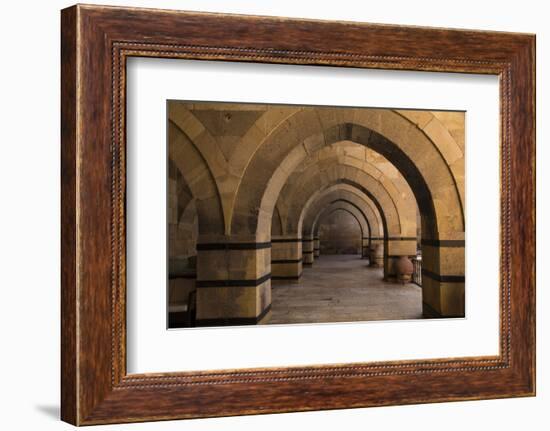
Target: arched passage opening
[[286, 252], [359, 215], [340, 232], [423, 165], [258, 176]]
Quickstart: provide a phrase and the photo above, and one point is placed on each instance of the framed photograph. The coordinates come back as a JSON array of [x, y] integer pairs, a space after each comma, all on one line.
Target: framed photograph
[[266, 215]]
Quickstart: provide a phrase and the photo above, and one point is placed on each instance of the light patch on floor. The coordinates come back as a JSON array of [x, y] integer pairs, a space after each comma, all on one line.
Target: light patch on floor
[[342, 288]]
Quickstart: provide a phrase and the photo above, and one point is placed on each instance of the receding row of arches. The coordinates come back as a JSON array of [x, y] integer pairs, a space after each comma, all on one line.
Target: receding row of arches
[[250, 186]]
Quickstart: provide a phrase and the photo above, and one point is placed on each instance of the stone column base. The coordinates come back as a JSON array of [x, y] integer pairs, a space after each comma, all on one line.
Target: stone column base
[[286, 258], [365, 251], [316, 248], [233, 283], [443, 277], [307, 251], [443, 295]]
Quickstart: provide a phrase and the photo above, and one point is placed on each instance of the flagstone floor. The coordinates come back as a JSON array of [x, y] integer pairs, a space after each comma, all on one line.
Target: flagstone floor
[[342, 288]]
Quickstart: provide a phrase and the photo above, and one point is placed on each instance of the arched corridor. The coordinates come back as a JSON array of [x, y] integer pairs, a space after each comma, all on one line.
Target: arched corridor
[[276, 204]]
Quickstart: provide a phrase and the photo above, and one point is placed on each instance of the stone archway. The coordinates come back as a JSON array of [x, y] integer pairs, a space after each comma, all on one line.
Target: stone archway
[[367, 229], [198, 178], [286, 253], [412, 152], [341, 229], [399, 238], [238, 181], [328, 213]]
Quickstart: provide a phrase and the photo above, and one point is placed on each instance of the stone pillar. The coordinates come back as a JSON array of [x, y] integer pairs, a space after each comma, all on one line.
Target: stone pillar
[[374, 241], [181, 288], [443, 277], [286, 258], [233, 283], [307, 251], [316, 247], [365, 250], [395, 247]]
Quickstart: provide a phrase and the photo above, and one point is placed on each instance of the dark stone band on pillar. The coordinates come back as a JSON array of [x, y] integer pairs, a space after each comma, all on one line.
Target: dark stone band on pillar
[[287, 261], [233, 246], [233, 283], [190, 275], [393, 238], [443, 278], [286, 240], [444, 242], [234, 321]]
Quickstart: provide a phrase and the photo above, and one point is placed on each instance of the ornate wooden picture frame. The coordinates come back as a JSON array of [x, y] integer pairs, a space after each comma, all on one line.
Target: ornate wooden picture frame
[[96, 41]]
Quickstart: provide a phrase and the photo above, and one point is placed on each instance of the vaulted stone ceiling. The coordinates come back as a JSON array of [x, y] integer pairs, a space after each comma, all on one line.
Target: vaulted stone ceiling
[[227, 126]]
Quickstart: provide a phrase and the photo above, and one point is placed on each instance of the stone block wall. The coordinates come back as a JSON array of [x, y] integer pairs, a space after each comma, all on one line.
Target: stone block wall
[[340, 233]]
